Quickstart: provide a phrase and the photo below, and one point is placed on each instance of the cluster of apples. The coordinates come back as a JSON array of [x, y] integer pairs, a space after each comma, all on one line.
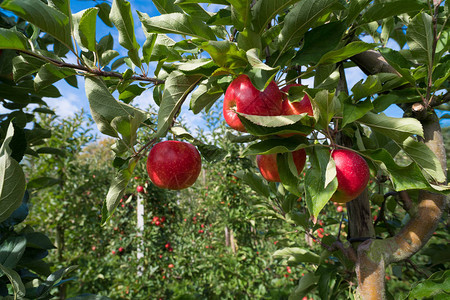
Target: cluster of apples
[[241, 96], [176, 165]]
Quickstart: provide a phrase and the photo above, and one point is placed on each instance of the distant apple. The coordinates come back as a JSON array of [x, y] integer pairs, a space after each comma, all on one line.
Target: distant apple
[[241, 96], [352, 174], [174, 165], [267, 164], [339, 208], [121, 249], [139, 189]]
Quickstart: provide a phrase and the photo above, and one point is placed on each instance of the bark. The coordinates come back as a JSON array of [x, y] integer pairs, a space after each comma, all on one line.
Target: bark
[[373, 256]]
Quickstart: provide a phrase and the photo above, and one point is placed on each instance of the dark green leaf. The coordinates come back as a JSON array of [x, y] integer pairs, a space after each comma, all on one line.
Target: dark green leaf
[[226, 54], [43, 182], [211, 153], [279, 145], [49, 74], [105, 10], [12, 39], [298, 21], [347, 51], [420, 38], [240, 13], [205, 95], [177, 87], [38, 240], [167, 7], [317, 194], [369, 87], [117, 189], [436, 285], [11, 250], [12, 179], [256, 182], [176, 23], [397, 129], [353, 112], [47, 18], [305, 284], [123, 20], [264, 11], [14, 278], [84, 28], [24, 65], [381, 9], [319, 41]]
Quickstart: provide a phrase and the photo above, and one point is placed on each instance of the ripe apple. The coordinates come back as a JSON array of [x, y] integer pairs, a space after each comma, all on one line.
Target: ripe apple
[[267, 164], [241, 96], [139, 189], [339, 208], [295, 108], [352, 174], [173, 165]]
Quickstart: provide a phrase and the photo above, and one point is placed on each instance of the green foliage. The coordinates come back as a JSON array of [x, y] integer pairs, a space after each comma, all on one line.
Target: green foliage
[[285, 41]]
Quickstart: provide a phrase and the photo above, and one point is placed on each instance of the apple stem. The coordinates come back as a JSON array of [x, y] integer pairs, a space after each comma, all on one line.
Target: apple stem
[[139, 152]]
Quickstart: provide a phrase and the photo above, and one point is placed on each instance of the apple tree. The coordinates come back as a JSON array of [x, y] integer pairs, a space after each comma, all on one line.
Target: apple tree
[[274, 44]]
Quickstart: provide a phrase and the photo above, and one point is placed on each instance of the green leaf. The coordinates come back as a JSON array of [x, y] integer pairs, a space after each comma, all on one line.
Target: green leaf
[[371, 86], [256, 182], [49, 74], [205, 95], [425, 158], [347, 51], [38, 240], [298, 21], [211, 153], [47, 18], [12, 179], [382, 102], [147, 48], [269, 125], [104, 108], [53, 281], [11, 251], [12, 39], [355, 8], [288, 173], [420, 38], [297, 255], [176, 23], [117, 189], [163, 49], [84, 28], [381, 9], [24, 65], [265, 10], [402, 177], [325, 106], [397, 129], [317, 194], [50, 150], [123, 20], [226, 54], [167, 7], [104, 11], [240, 13], [353, 112], [176, 89], [16, 281], [43, 182], [436, 285], [284, 145], [196, 11], [319, 41], [399, 63], [305, 284]]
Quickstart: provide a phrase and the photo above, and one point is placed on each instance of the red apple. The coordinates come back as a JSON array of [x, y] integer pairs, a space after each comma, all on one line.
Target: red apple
[[139, 189], [241, 96], [295, 108], [174, 165], [339, 208], [352, 174], [121, 249], [267, 164]]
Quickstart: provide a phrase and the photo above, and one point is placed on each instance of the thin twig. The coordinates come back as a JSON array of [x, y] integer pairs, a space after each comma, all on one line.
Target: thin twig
[[94, 71]]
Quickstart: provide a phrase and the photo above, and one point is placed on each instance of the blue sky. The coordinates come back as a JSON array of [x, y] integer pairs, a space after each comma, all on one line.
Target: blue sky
[[73, 99]]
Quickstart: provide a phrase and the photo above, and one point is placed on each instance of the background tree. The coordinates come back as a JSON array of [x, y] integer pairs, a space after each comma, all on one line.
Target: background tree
[[266, 40]]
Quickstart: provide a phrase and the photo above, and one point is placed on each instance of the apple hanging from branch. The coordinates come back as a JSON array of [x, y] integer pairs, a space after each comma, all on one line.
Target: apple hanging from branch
[[267, 164], [352, 174], [173, 165], [242, 97], [295, 108]]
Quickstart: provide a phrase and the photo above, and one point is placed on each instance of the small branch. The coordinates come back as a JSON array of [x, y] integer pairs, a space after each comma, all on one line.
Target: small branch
[[417, 269], [406, 201], [96, 72], [349, 252]]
